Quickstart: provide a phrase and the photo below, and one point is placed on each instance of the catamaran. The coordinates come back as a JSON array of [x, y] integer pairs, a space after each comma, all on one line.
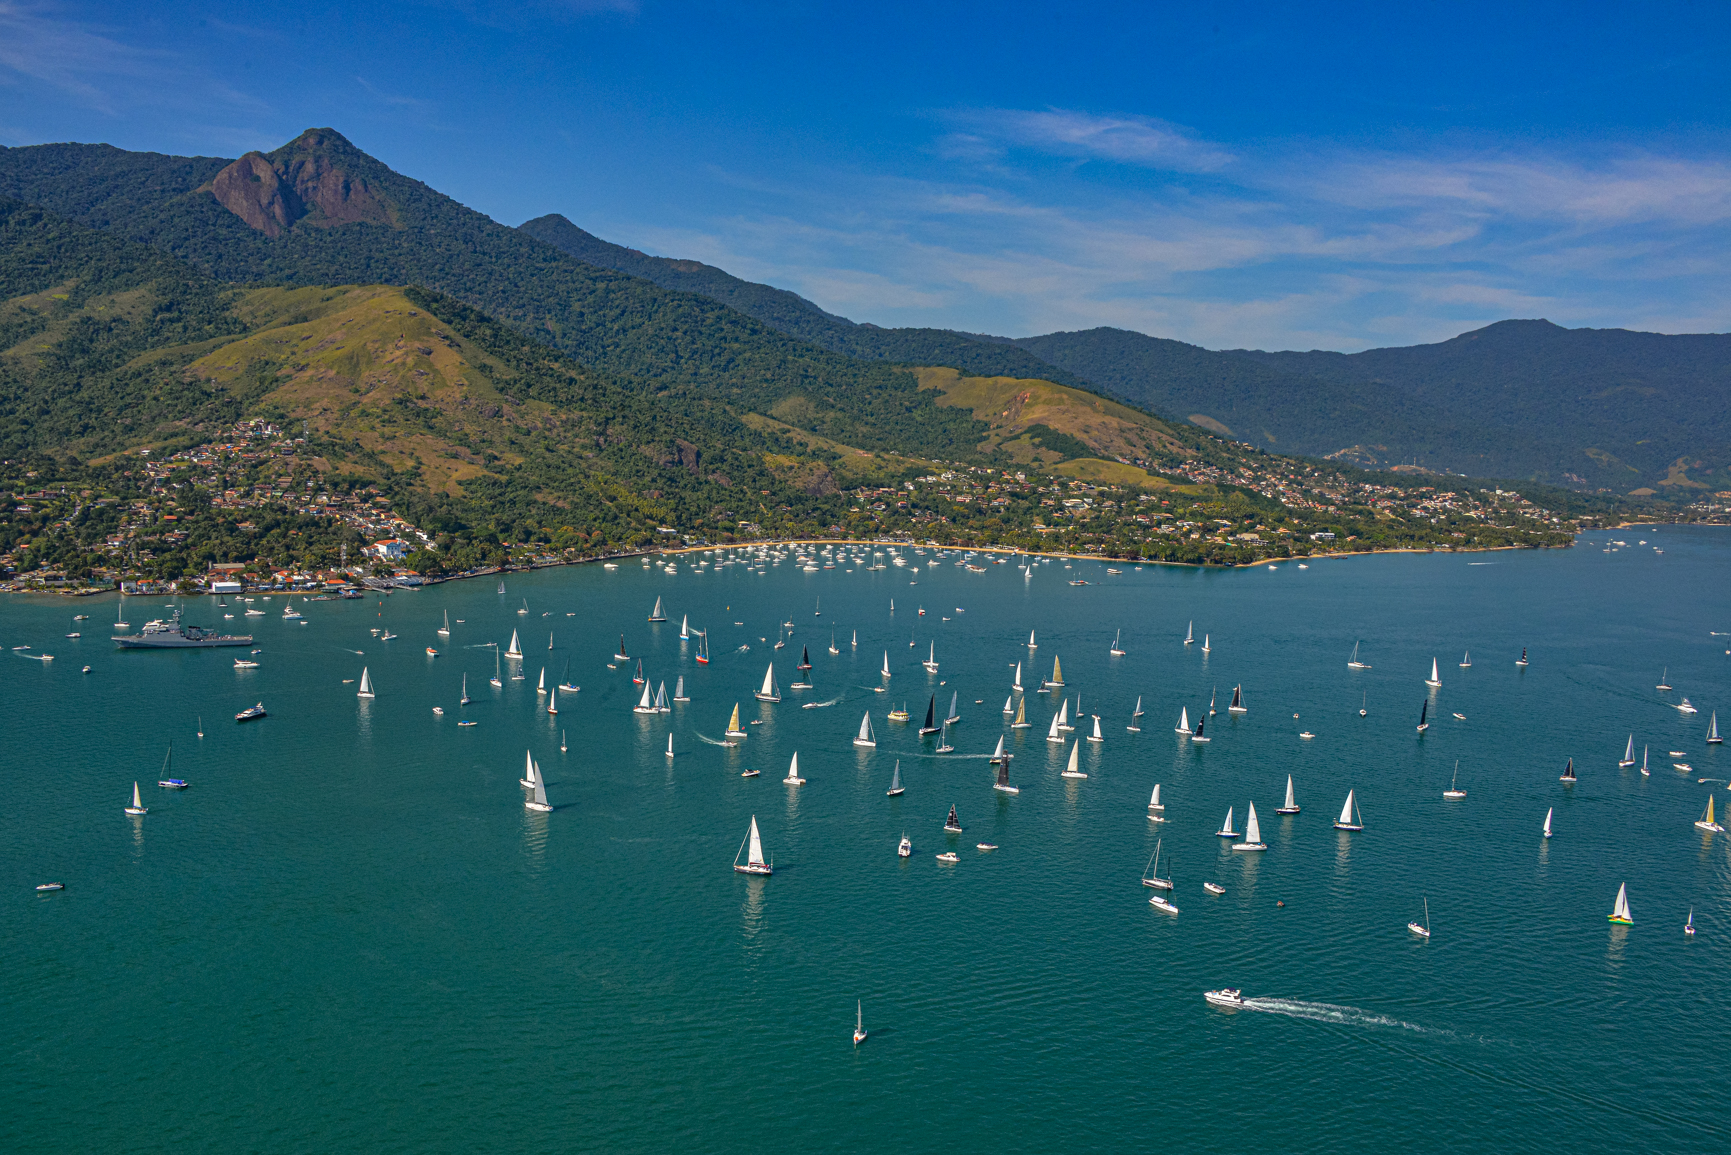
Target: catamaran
[[1096, 736], [1252, 833], [366, 690], [1628, 758], [1620, 912], [1350, 818], [1290, 806], [1705, 822], [1183, 726], [1117, 647], [793, 778], [865, 737], [1071, 771], [1155, 806], [1453, 792], [1434, 680], [1151, 876], [655, 615], [754, 861], [1422, 931], [138, 807], [1226, 830], [770, 691], [516, 648], [896, 786], [1353, 663], [1238, 706]]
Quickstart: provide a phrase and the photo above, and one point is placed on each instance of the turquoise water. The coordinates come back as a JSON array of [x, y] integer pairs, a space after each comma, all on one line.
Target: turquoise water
[[348, 934]]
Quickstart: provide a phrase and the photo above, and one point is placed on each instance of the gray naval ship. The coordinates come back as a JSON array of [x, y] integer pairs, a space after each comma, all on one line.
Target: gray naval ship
[[172, 635]]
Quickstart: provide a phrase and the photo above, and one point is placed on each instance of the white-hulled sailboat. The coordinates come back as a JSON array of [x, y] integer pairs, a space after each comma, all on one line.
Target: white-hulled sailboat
[[553, 700], [998, 755], [859, 1031], [1206, 648], [445, 630], [1032, 645], [1003, 782], [516, 648], [670, 747], [896, 786], [1644, 770], [366, 690], [1226, 830], [1252, 833], [529, 775], [1435, 679], [1467, 660], [1290, 806], [931, 723], [655, 615], [1423, 714], [886, 670], [1628, 758], [1705, 822], [1422, 931], [138, 808], [1053, 734], [1096, 736], [1689, 927], [1552, 810], [931, 662], [1238, 706], [537, 800], [464, 700], [770, 691], [954, 715], [1016, 686], [1620, 912], [865, 737], [646, 704], [1198, 736], [1183, 726], [944, 746], [1135, 716], [1151, 876], [754, 861], [1190, 633], [1057, 680], [1155, 806], [541, 684], [793, 778], [1350, 818], [1117, 647], [1021, 722], [679, 694], [1353, 663], [1713, 738], [1071, 771], [661, 704], [1454, 793], [733, 730]]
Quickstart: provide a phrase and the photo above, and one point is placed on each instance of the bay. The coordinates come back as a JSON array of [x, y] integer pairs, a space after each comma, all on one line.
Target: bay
[[348, 933]]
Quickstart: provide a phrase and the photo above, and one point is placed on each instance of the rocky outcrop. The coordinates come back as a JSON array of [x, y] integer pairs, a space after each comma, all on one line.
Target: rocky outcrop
[[302, 183]]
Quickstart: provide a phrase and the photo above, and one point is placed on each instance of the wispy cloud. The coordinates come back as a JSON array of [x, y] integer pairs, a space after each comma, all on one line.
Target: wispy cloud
[[1137, 140], [37, 43]]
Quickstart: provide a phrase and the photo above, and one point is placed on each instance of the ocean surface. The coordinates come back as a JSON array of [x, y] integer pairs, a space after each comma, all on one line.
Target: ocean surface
[[349, 935]]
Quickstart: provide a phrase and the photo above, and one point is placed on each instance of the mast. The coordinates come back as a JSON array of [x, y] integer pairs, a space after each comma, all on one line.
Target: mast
[[953, 716]]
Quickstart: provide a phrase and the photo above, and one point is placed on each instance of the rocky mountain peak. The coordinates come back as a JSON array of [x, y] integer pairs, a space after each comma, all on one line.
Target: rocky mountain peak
[[312, 180]]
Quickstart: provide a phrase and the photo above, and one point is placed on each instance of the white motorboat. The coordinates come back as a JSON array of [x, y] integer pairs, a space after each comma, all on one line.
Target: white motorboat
[[1213, 888], [949, 858], [1684, 707], [1225, 997], [906, 849]]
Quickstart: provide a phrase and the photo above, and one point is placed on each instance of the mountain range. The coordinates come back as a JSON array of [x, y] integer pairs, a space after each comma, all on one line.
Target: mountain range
[[1607, 410]]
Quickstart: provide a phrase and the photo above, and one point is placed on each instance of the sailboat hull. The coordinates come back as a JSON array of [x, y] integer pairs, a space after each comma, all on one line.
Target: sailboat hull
[[749, 869], [538, 806], [1250, 846], [864, 742], [1287, 809], [1347, 826]]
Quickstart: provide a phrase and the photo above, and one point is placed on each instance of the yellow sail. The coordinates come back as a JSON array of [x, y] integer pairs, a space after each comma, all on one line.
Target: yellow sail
[[1022, 712], [733, 722], [1057, 673], [1709, 808]]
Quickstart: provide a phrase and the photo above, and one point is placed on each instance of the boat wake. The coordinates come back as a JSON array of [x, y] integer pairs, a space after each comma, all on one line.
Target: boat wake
[[1329, 1013], [821, 705], [712, 741]]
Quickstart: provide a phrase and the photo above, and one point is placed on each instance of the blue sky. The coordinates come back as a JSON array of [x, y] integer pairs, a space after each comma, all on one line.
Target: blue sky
[[1236, 175]]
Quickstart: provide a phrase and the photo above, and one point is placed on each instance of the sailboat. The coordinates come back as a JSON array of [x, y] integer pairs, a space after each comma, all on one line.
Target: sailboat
[[1713, 738], [1568, 774], [931, 662], [1183, 726], [1016, 686], [1620, 912], [565, 682], [541, 684], [804, 658], [495, 678], [684, 627], [793, 778], [886, 669], [944, 746], [561, 741], [1155, 806], [1057, 680], [1206, 648], [1252, 833], [1071, 771], [1349, 819], [516, 648], [1190, 633], [1238, 706], [1423, 710], [998, 755], [954, 715], [1552, 810], [529, 772], [646, 704], [120, 622], [770, 692], [865, 736], [733, 730], [1151, 876], [138, 807], [832, 646], [1053, 734], [1117, 649], [952, 824], [1010, 704], [1689, 927], [896, 786], [1422, 931], [366, 690], [679, 694], [1434, 680], [1644, 769], [1628, 758], [621, 655], [661, 704], [855, 643], [859, 1031], [1197, 737], [1226, 830], [538, 799], [1290, 806], [670, 746], [1353, 663], [703, 648], [1003, 782], [1467, 660], [1454, 792], [1705, 822], [549, 641], [1021, 722], [1096, 736], [1664, 679], [754, 861], [655, 615], [1134, 716], [1032, 645], [445, 630], [931, 726], [525, 608], [1212, 694], [1522, 660]]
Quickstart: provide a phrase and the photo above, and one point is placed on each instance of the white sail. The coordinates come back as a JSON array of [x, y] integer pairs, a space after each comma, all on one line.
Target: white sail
[[1227, 829], [1346, 811], [755, 854], [679, 689], [655, 614], [998, 754], [1621, 912], [541, 683], [1154, 802], [1064, 715], [1190, 633], [366, 690], [684, 626], [1435, 679], [661, 698], [1629, 750], [1098, 737], [886, 663], [793, 768], [553, 700], [1291, 802], [1031, 644], [769, 693], [1548, 814], [1017, 684], [645, 705], [670, 745], [1252, 831], [516, 650], [1137, 712], [865, 728], [1712, 731], [529, 768], [1184, 720], [1052, 735], [137, 802], [1071, 770]]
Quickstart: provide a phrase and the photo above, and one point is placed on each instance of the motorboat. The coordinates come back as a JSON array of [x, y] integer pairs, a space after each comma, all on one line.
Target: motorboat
[[1225, 997]]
